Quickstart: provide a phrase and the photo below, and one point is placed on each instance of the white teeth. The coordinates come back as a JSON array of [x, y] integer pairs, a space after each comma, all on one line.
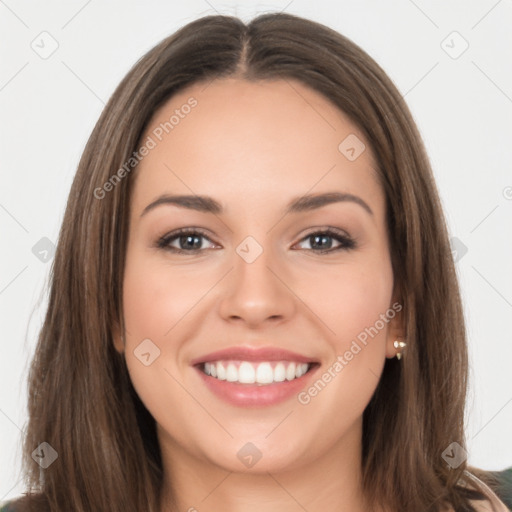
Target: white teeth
[[290, 371], [221, 371], [246, 372], [279, 372], [264, 374], [231, 373]]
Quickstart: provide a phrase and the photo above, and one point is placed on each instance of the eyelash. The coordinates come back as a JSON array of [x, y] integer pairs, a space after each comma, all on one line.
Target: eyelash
[[347, 243]]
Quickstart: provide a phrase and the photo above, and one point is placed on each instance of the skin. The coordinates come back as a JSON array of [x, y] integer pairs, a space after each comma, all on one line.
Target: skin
[[254, 147]]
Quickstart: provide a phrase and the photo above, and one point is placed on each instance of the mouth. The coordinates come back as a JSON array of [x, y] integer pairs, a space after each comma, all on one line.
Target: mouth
[[261, 373], [247, 377]]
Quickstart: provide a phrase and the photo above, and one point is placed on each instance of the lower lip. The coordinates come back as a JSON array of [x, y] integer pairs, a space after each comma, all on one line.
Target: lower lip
[[252, 395]]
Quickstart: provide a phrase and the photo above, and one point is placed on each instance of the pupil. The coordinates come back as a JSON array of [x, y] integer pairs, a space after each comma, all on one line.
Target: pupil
[[194, 242], [185, 239], [318, 238]]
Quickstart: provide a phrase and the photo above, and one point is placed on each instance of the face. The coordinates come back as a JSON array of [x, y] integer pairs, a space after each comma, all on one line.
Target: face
[[281, 281]]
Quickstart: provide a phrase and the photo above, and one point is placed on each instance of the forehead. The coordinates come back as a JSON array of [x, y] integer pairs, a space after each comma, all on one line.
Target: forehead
[[246, 142]]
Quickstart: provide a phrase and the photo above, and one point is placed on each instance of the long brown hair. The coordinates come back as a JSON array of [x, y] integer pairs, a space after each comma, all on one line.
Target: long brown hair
[[81, 400]]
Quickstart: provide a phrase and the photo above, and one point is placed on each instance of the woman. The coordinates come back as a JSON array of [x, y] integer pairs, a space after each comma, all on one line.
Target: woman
[[253, 303]]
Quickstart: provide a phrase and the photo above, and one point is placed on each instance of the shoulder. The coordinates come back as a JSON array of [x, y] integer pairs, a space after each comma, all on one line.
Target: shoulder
[[7, 507], [496, 495], [504, 485], [485, 506], [25, 503]]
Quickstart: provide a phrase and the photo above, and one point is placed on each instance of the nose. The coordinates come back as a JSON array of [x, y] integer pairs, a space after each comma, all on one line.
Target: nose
[[257, 293]]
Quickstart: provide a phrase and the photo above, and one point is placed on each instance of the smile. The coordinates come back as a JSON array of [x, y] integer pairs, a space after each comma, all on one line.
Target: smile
[[246, 376], [261, 373], [255, 384]]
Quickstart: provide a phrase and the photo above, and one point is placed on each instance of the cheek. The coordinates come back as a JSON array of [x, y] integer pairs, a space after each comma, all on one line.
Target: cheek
[[156, 300], [157, 297], [365, 299], [160, 303], [350, 299], [356, 306]]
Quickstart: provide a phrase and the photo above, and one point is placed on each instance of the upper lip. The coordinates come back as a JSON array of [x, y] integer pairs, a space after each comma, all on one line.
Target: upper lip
[[242, 353]]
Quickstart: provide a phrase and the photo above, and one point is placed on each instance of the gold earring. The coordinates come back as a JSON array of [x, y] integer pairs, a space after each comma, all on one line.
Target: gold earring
[[400, 345]]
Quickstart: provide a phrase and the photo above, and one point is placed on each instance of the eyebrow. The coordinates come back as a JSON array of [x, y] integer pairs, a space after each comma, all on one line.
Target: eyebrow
[[304, 203]]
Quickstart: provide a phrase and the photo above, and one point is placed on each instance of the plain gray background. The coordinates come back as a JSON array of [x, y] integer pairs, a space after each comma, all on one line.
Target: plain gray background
[[461, 99]]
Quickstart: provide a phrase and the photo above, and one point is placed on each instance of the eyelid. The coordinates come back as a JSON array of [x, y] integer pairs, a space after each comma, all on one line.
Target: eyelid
[[346, 241], [325, 229], [164, 241]]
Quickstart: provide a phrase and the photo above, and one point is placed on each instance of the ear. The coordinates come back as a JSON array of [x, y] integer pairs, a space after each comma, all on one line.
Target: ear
[[396, 328]]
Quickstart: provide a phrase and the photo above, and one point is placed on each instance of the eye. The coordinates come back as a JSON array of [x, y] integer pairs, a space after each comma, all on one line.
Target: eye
[[187, 241], [190, 240], [322, 241]]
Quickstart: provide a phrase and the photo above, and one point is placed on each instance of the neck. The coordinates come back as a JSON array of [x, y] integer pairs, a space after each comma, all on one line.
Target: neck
[[325, 481]]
